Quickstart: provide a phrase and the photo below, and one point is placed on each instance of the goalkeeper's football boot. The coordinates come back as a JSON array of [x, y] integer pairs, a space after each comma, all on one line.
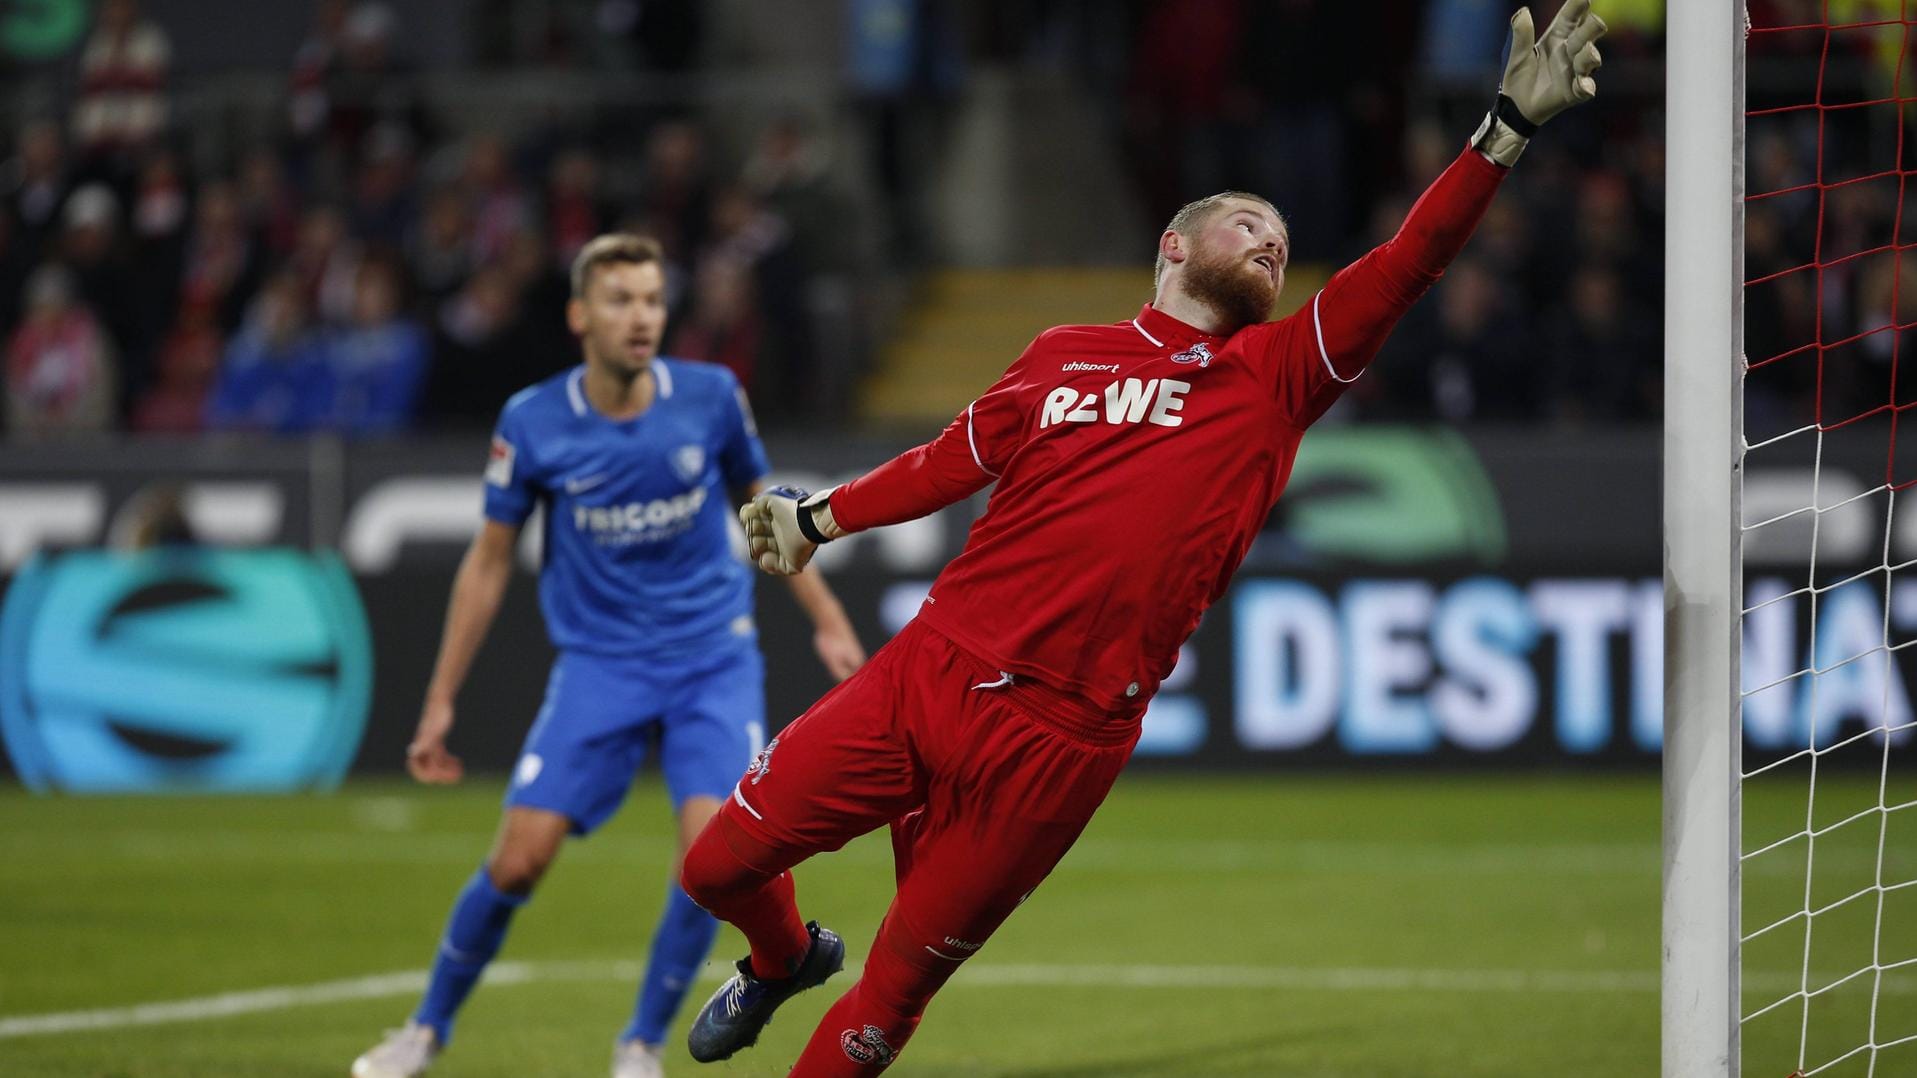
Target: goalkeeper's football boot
[[732, 1018], [405, 1053], [637, 1059]]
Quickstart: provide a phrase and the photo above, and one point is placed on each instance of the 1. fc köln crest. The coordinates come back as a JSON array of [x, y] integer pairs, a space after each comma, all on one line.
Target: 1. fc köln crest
[[1197, 353], [866, 1046]]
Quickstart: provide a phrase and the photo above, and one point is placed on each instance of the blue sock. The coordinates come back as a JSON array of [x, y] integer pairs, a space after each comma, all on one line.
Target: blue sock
[[473, 935], [679, 948]]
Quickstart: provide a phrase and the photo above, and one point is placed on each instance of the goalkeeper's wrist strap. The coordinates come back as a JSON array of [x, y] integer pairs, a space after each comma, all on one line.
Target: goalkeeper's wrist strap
[[815, 518], [1504, 133]]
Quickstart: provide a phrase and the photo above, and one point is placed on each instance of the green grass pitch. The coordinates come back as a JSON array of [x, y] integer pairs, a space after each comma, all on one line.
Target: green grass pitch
[[1304, 926]]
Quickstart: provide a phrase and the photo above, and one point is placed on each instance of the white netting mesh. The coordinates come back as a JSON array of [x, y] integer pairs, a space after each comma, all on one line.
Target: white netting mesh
[[1829, 854]]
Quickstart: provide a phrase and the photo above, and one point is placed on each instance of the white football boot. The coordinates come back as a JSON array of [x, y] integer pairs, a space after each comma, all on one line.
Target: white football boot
[[637, 1059], [405, 1053]]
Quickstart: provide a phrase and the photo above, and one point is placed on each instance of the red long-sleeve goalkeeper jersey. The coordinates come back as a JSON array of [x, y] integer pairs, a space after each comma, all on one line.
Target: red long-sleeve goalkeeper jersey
[[1137, 461]]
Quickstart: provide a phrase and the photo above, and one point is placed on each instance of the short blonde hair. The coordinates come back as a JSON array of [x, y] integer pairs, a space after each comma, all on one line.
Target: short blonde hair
[[1193, 216], [613, 248]]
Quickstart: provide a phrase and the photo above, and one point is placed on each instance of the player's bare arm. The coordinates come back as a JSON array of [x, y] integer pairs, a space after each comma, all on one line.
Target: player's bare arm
[[833, 637], [477, 590]]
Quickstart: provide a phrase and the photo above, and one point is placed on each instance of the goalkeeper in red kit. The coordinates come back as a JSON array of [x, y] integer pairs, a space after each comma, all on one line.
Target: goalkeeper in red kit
[[1135, 463]]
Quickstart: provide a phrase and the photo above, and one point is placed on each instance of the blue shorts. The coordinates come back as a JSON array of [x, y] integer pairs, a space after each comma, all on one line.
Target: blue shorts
[[604, 714]]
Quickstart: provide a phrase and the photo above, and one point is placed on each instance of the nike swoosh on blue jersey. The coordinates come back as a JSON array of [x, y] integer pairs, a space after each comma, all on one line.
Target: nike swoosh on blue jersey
[[580, 486]]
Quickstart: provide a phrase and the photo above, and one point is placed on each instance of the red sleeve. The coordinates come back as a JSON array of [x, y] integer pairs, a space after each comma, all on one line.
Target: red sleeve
[[966, 457], [1330, 340]]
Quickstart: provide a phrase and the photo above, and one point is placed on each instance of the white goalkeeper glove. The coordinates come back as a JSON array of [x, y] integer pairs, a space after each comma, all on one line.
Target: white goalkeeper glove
[[1541, 78], [784, 525]]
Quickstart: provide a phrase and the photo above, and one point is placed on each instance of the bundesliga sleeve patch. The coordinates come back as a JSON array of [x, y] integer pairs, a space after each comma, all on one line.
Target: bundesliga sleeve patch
[[745, 413], [499, 463]]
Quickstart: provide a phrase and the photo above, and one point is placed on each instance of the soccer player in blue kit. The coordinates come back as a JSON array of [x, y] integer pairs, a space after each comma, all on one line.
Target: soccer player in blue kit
[[633, 457]]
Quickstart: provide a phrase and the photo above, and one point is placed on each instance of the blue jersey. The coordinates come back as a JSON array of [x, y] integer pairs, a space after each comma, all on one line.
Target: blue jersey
[[637, 554]]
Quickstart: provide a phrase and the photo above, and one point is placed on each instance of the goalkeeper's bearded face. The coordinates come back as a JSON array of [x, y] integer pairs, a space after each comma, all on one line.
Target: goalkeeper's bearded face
[[1237, 264]]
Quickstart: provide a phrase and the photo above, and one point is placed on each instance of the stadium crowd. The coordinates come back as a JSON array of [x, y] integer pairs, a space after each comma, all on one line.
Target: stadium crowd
[[373, 269], [368, 271]]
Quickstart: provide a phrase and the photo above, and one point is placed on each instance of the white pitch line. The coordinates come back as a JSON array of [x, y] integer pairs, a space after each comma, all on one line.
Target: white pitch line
[[984, 975]]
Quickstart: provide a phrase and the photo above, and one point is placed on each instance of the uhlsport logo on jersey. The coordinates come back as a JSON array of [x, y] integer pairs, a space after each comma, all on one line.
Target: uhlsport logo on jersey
[[183, 670], [690, 462], [866, 1046]]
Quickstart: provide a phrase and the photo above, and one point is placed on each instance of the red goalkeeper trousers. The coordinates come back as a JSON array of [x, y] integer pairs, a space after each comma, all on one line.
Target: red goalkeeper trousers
[[986, 783]]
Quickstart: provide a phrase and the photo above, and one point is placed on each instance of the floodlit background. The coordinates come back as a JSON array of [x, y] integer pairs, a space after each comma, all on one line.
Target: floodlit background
[[1396, 812]]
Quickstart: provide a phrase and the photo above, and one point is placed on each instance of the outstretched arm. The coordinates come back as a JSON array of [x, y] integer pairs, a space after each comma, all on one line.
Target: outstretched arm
[[784, 526], [833, 637], [1345, 324]]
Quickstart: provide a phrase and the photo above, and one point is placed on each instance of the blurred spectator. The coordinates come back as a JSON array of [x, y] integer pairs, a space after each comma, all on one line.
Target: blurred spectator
[[1301, 61], [675, 196], [122, 105], [222, 262], [831, 242], [36, 182], [575, 212], [485, 350], [722, 327], [904, 64], [59, 363], [267, 203], [1464, 356], [440, 253], [309, 102], [1603, 353], [103, 275], [747, 238], [364, 87], [789, 171], [496, 201], [188, 362], [379, 360], [1181, 99], [383, 205], [326, 260], [156, 228], [274, 376]]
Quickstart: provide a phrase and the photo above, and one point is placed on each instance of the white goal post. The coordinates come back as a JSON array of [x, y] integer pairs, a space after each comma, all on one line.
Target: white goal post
[[1703, 594]]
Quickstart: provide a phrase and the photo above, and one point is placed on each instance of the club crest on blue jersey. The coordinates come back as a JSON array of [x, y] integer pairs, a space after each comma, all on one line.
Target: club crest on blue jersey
[[690, 462], [1197, 353]]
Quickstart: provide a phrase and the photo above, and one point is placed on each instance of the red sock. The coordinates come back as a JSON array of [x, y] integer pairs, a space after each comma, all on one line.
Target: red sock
[[761, 905], [868, 1027], [859, 1036]]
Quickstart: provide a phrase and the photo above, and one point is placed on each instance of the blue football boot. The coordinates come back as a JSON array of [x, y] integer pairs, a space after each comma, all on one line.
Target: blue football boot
[[732, 1018]]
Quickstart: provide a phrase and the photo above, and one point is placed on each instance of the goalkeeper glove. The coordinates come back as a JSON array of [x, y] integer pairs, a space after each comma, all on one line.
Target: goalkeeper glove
[[784, 525], [1541, 78]]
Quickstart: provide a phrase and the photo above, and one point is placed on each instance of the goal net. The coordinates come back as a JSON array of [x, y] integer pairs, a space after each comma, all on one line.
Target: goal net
[[1817, 949]]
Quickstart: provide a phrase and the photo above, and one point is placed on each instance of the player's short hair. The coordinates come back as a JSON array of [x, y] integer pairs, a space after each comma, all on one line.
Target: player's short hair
[[613, 248], [1193, 216]]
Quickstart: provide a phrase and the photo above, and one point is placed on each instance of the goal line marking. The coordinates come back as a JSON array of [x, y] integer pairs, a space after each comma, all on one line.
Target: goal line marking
[[984, 975]]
